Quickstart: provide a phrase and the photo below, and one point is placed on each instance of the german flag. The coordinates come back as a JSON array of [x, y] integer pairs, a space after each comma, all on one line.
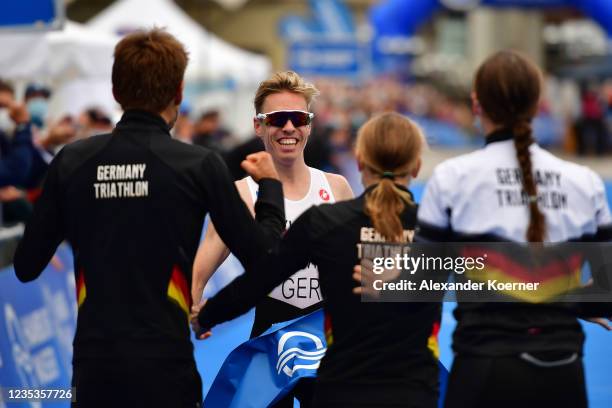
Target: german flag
[[554, 276], [81, 289], [327, 328], [432, 342], [178, 290]]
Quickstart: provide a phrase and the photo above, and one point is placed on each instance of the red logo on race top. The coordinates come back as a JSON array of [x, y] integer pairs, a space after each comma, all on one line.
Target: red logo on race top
[[324, 194]]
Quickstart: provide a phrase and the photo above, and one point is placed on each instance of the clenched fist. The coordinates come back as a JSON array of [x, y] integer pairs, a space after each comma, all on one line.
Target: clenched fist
[[259, 165]]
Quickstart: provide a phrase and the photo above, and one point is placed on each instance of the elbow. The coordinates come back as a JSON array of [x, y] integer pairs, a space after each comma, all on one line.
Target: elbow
[[24, 275], [24, 270]]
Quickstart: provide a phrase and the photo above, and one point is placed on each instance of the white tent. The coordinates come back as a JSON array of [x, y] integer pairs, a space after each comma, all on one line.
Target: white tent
[[73, 52], [76, 61], [210, 57]]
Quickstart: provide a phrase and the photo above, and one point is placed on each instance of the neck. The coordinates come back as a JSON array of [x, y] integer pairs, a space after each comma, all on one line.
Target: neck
[[169, 114], [294, 176], [291, 171], [489, 127]]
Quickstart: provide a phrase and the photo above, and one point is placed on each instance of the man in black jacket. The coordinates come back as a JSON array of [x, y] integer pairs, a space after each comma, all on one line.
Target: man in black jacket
[[132, 204]]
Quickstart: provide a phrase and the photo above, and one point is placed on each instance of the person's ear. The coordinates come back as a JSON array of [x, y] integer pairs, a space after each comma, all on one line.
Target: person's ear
[[258, 127], [417, 168], [360, 165], [178, 98], [476, 109]]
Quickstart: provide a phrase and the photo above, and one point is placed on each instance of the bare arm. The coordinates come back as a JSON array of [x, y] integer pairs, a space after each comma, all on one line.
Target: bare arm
[[213, 251], [292, 254], [340, 187]]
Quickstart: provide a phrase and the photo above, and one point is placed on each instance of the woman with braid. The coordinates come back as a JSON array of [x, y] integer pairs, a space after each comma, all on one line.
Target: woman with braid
[[377, 353], [514, 354]]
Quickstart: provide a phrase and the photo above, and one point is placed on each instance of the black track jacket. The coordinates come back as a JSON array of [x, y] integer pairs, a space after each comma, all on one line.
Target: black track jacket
[[132, 204]]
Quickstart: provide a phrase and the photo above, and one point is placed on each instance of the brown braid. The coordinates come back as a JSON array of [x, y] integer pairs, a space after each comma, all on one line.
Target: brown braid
[[507, 86], [522, 141]]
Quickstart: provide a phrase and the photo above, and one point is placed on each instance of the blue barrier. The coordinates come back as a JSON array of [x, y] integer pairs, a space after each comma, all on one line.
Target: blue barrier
[[37, 323]]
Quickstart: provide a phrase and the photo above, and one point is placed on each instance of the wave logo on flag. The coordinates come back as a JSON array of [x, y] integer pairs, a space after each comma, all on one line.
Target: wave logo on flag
[[264, 369], [296, 358]]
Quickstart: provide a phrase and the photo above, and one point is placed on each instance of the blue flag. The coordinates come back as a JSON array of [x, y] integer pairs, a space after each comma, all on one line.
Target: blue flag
[[264, 369]]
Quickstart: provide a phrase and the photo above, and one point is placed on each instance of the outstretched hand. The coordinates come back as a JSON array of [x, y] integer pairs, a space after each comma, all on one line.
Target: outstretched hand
[[260, 165], [365, 276], [195, 324], [601, 321]]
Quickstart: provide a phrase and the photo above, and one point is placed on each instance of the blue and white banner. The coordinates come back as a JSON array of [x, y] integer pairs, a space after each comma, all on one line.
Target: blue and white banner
[[324, 57], [37, 323], [324, 44], [330, 18], [266, 368]]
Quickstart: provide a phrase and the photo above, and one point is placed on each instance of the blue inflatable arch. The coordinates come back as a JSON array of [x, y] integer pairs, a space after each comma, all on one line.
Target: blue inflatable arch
[[403, 18]]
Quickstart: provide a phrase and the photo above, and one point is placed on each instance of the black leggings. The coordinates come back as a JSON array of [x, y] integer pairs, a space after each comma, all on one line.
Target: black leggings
[[136, 383], [416, 394], [525, 381], [303, 391]]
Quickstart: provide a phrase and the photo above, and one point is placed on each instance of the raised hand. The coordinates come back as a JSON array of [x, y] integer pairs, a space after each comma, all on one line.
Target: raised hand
[[260, 165]]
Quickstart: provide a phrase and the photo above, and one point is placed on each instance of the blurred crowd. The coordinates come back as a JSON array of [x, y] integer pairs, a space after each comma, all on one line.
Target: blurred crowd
[[573, 116], [28, 141], [593, 122]]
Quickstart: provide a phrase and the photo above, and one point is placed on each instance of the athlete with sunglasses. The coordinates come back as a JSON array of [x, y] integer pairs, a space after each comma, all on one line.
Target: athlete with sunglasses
[[283, 122]]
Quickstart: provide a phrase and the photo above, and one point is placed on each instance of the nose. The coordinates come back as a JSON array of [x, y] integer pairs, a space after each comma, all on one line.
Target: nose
[[288, 128]]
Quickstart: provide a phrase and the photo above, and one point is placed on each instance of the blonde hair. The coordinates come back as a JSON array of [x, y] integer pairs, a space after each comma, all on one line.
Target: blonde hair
[[284, 81], [390, 146]]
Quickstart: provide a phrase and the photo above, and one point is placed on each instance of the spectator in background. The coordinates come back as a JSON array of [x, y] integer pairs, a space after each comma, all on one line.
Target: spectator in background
[[592, 132], [49, 137], [184, 128], [16, 148], [209, 133], [234, 157], [16, 154], [37, 100], [607, 96], [93, 121]]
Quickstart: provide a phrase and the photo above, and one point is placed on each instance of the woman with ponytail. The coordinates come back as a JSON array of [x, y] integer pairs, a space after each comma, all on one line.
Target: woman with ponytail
[[379, 354], [514, 354]]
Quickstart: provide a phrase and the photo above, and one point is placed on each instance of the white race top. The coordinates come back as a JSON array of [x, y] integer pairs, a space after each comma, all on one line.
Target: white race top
[[481, 193], [301, 289]]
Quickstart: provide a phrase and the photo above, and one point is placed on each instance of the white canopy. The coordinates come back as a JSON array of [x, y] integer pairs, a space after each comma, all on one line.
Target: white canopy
[[73, 52], [210, 57], [76, 61]]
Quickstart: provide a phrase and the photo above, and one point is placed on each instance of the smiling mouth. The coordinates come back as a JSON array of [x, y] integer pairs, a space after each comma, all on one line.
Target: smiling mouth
[[287, 141]]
